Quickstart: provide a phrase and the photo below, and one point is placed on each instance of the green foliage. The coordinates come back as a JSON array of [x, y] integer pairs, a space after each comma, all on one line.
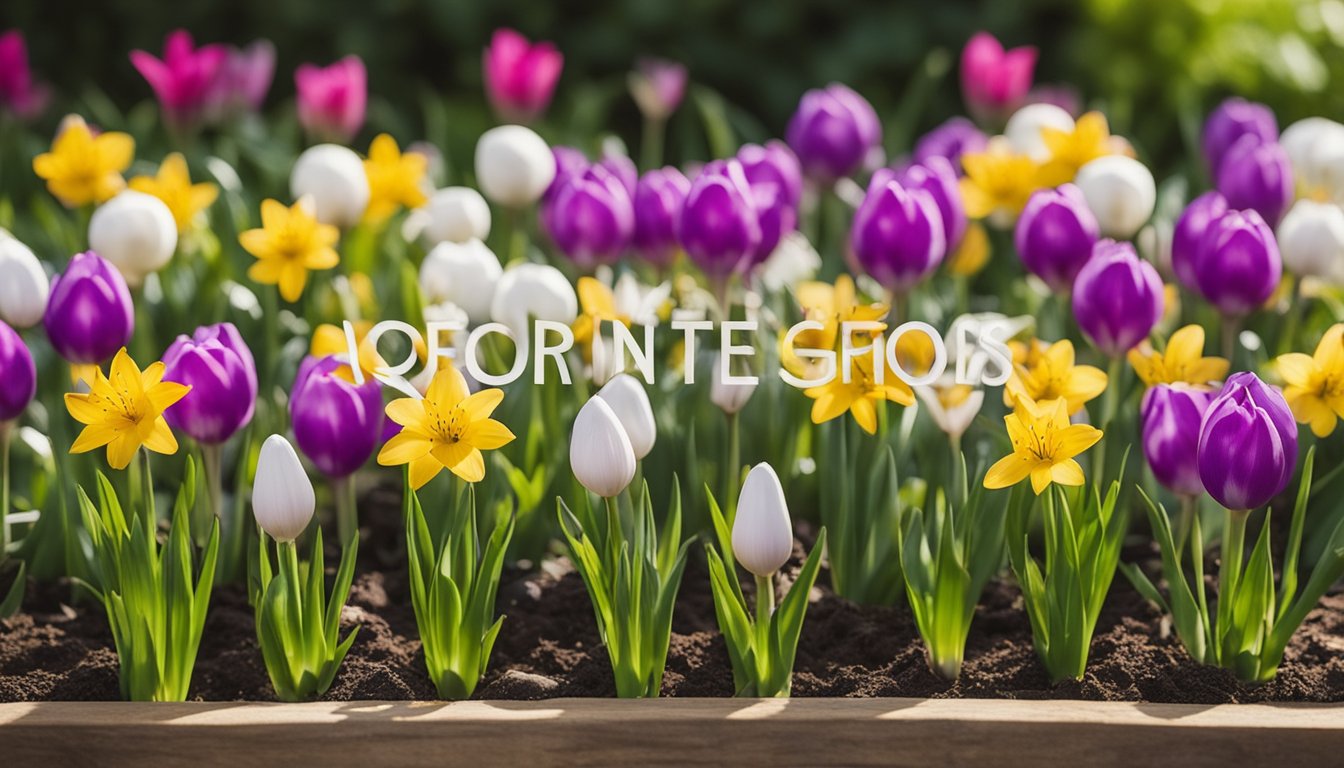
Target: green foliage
[[632, 581], [155, 610], [862, 516], [453, 588]]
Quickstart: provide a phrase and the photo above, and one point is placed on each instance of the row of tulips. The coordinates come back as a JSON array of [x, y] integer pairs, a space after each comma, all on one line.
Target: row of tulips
[[928, 499]]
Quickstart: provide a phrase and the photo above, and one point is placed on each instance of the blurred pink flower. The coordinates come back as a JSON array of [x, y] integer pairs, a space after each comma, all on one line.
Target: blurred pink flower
[[995, 82], [18, 92], [658, 86], [520, 77], [245, 78], [184, 79], [332, 99]]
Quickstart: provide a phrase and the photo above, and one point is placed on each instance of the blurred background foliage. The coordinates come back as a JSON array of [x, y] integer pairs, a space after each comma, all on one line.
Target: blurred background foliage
[[1155, 66]]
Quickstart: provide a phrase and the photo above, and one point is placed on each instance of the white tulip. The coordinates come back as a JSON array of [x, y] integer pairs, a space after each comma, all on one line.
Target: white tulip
[[23, 284], [630, 403], [1311, 239], [1121, 193], [1024, 129], [792, 262], [456, 214], [730, 398], [462, 273], [282, 494], [136, 232], [1315, 149], [599, 450], [641, 303], [762, 531], [333, 176], [536, 291], [514, 165]]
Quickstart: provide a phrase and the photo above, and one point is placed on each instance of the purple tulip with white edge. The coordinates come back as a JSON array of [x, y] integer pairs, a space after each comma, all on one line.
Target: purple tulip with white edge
[[832, 132], [218, 366], [89, 313], [1171, 416], [336, 422], [1238, 266], [590, 217], [1247, 444], [1055, 235], [719, 226], [897, 237], [659, 196], [1188, 234], [1256, 174], [1117, 298], [1233, 119]]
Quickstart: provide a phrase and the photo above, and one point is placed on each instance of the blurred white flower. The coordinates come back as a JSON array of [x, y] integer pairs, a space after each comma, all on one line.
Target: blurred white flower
[[136, 232], [465, 274], [1023, 130], [456, 214], [1121, 193], [333, 177], [630, 403], [514, 165], [24, 286]]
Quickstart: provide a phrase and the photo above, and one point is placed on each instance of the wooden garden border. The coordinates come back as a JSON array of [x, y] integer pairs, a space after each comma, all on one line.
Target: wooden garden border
[[685, 732]]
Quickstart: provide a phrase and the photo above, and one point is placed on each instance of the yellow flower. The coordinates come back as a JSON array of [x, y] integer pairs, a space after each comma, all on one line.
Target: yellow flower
[[1071, 150], [830, 305], [1029, 353], [82, 168], [861, 395], [124, 411], [330, 339], [1044, 444], [394, 178], [1054, 376], [172, 184], [972, 254], [1315, 383], [997, 184], [1182, 362], [597, 304], [289, 244], [447, 429]]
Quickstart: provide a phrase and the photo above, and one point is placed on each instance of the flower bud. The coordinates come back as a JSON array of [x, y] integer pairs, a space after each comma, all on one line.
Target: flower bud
[[23, 284], [630, 403], [937, 177], [464, 274], [897, 236], [520, 75], [1121, 193], [1239, 265], [1311, 240], [1023, 130], [1189, 234], [950, 141], [533, 291], [1247, 444], [1315, 148], [1117, 298], [136, 232], [659, 195], [333, 177], [89, 315], [336, 423], [513, 165], [1255, 174], [994, 82], [1171, 416], [1055, 235], [589, 217], [762, 531], [773, 163], [219, 368], [658, 86], [18, 376], [1234, 119], [332, 99], [833, 132], [730, 398], [282, 495], [457, 214], [599, 450], [719, 224]]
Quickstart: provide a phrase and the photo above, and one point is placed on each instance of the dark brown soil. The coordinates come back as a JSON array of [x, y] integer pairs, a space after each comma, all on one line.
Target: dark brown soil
[[549, 648]]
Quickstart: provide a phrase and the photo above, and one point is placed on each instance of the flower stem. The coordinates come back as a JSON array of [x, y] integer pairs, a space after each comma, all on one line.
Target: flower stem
[[347, 513], [517, 236], [1189, 508], [1109, 404], [765, 600], [732, 465], [613, 531], [651, 146], [6, 435], [1229, 575], [211, 462], [1231, 327]]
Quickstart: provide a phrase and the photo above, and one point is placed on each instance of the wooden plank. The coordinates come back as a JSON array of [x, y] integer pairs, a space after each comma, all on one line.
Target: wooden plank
[[680, 732]]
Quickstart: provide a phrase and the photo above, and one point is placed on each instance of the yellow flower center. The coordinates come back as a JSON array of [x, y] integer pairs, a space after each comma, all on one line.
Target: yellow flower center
[[449, 427]]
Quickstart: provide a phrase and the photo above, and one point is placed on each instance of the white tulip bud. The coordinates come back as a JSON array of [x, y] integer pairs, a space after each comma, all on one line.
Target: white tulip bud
[[599, 450], [1311, 240], [630, 403], [457, 214], [136, 232], [282, 494], [514, 166], [730, 398], [1121, 193], [762, 531], [333, 176], [23, 284], [1314, 146], [462, 273], [535, 291], [1023, 130]]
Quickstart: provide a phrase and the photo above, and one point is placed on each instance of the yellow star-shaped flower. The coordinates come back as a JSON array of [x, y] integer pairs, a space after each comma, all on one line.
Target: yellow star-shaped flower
[[290, 243], [1315, 383], [1044, 444], [861, 395], [1182, 362], [1071, 150], [124, 410], [997, 184], [82, 168], [830, 305], [172, 184], [1054, 376], [394, 178], [597, 304]]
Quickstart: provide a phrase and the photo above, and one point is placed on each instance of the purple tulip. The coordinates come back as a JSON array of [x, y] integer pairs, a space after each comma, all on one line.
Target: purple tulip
[[245, 79], [658, 200], [1255, 174], [950, 141], [218, 366], [897, 236], [1056, 234], [773, 163], [832, 132], [19, 92], [185, 79], [1189, 233], [1233, 119], [569, 161], [623, 168], [336, 423], [1238, 264], [18, 376], [937, 177], [332, 99], [658, 86], [590, 217], [1117, 298], [719, 226], [1171, 417], [89, 315], [995, 81], [520, 75], [1247, 444]]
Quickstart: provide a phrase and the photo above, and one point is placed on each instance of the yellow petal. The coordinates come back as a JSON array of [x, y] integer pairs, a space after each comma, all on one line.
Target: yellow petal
[[423, 470], [1040, 477], [447, 388], [1008, 471], [403, 448], [488, 435], [1295, 368], [865, 413], [1185, 345], [596, 298], [408, 412], [1067, 472], [293, 278], [480, 405], [471, 468], [161, 438], [122, 449], [92, 437], [166, 393], [1076, 438]]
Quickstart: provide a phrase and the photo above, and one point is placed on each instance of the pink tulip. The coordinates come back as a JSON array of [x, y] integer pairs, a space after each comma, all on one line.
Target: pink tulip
[[658, 87], [18, 92], [184, 79], [332, 99], [995, 82], [245, 78], [520, 77]]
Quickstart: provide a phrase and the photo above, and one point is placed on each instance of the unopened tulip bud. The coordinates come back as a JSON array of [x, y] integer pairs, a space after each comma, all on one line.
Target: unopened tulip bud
[[762, 531], [136, 232], [1247, 444], [18, 378], [23, 284], [599, 450], [1121, 193], [514, 166], [527, 292], [333, 177], [630, 403], [462, 273], [1311, 240], [730, 398], [282, 494], [457, 214], [1023, 130]]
